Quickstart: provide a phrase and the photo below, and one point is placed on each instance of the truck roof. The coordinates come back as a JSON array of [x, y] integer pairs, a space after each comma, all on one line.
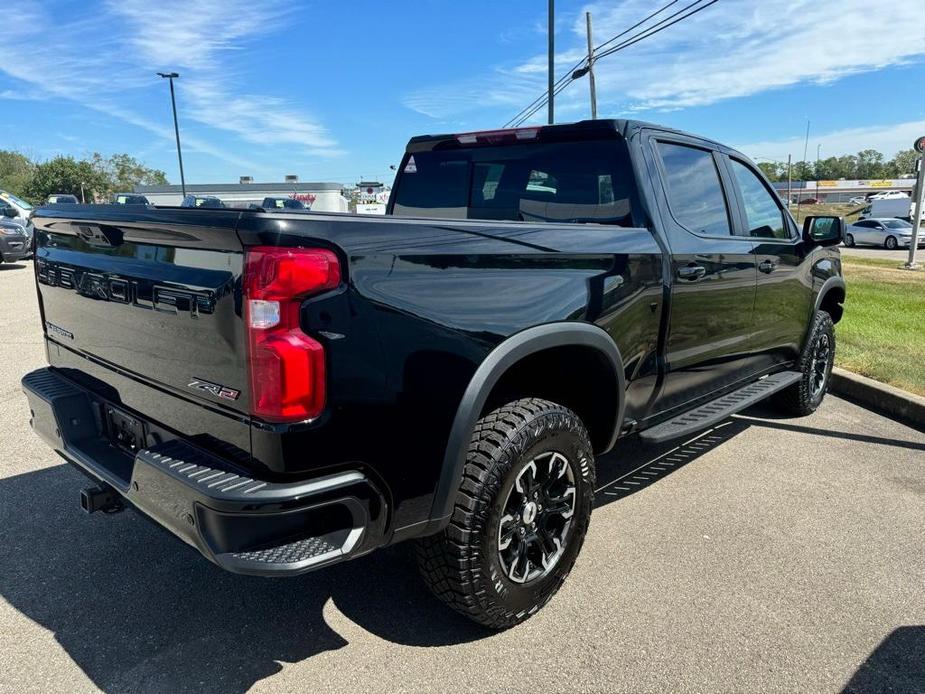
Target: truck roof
[[585, 129]]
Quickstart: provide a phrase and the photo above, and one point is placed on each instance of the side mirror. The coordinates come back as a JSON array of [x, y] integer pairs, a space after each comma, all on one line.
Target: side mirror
[[10, 212], [823, 231]]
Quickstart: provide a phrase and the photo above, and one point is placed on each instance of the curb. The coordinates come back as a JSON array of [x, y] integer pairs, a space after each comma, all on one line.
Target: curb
[[887, 400]]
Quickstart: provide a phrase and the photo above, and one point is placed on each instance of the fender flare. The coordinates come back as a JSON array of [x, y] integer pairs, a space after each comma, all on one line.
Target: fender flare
[[827, 286], [834, 282], [498, 361]]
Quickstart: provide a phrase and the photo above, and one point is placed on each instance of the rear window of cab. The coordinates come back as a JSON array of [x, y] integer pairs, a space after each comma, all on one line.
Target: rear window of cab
[[581, 181]]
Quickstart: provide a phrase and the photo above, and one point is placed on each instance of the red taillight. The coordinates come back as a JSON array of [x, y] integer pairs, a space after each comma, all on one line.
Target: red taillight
[[286, 365]]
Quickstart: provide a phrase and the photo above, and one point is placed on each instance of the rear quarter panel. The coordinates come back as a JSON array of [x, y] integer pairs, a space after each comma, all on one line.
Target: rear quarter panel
[[424, 303]]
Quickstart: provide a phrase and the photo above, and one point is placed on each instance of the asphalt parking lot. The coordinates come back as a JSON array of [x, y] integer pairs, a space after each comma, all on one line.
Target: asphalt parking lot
[[766, 555]]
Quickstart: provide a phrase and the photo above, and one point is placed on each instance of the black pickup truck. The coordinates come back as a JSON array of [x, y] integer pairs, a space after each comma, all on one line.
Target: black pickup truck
[[283, 392]]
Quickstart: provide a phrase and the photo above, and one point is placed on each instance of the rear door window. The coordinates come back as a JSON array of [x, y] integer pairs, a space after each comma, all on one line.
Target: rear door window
[[582, 181], [764, 215], [695, 193]]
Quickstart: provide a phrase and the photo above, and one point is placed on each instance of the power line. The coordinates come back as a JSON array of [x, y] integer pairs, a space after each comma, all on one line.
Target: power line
[[568, 78], [651, 31], [541, 100], [542, 103], [542, 97], [637, 24]]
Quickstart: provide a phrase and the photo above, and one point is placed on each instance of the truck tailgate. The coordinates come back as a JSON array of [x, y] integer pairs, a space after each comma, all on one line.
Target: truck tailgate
[[152, 297]]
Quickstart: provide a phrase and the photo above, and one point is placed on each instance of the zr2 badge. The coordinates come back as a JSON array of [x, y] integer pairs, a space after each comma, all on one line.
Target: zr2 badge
[[215, 389]]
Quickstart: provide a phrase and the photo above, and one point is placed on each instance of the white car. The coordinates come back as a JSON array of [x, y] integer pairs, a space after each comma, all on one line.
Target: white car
[[23, 209], [889, 195], [890, 233]]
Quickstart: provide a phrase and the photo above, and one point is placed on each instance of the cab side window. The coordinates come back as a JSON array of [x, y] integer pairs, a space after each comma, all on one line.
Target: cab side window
[[764, 215], [695, 194]]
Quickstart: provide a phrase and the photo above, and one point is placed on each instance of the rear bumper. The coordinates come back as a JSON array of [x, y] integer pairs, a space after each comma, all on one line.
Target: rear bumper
[[243, 524]]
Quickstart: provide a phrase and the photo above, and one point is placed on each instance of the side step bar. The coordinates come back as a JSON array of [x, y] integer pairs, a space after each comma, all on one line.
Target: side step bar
[[715, 411]]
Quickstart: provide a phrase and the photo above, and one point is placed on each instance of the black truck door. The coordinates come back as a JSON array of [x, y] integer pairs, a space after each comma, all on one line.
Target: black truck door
[[713, 273], [783, 301]]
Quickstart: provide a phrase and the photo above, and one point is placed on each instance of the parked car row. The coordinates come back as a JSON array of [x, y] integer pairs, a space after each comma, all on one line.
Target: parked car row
[[16, 228]]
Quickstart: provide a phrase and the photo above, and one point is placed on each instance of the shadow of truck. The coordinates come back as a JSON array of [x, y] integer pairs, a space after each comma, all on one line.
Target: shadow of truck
[[138, 610]]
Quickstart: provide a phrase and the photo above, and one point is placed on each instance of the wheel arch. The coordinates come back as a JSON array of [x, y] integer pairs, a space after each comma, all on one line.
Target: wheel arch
[[830, 298], [500, 361]]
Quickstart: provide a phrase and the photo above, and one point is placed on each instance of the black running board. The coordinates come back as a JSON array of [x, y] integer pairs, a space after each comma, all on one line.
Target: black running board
[[715, 411]]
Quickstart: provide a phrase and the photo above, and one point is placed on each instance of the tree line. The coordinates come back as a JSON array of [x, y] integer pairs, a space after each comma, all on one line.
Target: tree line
[[94, 179], [866, 164]]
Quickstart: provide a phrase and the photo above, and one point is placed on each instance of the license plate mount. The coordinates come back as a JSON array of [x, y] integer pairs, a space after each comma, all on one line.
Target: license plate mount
[[125, 431]]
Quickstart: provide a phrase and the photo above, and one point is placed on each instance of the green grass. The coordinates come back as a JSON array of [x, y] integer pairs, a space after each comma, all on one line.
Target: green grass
[[848, 212], [882, 333]]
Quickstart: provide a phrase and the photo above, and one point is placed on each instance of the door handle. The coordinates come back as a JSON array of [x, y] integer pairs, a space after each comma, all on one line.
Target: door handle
[[767, 266], [692, 272]]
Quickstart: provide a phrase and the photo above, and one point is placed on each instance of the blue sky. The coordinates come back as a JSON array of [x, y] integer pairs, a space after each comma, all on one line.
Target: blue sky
[[332, 91]]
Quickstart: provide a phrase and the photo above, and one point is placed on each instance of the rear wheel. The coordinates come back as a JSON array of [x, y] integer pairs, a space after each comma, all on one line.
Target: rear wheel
[[849, 240], [891, 243], [816, 361], [520, 516]]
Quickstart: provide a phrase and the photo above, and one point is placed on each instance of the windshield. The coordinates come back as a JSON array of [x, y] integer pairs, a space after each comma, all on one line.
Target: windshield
[[897, 224], [15, 200], [583, 181]]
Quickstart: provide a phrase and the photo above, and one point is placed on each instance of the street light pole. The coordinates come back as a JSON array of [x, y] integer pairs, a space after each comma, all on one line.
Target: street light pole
[[552, 61], [176, 128]]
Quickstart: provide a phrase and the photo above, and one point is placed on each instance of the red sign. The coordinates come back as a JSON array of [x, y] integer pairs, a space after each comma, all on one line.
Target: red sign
[[307, 198], [920, 145]]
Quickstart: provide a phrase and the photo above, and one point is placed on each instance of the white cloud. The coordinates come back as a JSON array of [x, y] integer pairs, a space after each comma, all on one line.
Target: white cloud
[[887, 138], [198, 44], [731, 49], [104, 61]]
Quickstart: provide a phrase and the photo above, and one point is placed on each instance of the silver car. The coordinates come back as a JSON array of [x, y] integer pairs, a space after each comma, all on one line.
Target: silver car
[[890, 233]]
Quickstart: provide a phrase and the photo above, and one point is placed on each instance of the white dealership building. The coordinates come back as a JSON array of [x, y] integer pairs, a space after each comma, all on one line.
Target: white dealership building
[[318, 196]]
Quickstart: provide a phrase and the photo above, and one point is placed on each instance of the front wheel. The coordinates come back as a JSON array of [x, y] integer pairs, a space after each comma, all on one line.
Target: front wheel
[[849, 240], [891, 243], [816, 362], [520, 516]]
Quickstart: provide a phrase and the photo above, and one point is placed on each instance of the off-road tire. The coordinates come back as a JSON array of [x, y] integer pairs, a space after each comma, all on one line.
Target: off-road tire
[[462, 564], [801, 398]]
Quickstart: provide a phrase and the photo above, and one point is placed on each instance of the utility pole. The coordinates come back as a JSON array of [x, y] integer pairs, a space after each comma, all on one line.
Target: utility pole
[[591, 67], [789, 179], [919, 147], [803, 176], [552, 60], [816, 170], [176, 128]]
